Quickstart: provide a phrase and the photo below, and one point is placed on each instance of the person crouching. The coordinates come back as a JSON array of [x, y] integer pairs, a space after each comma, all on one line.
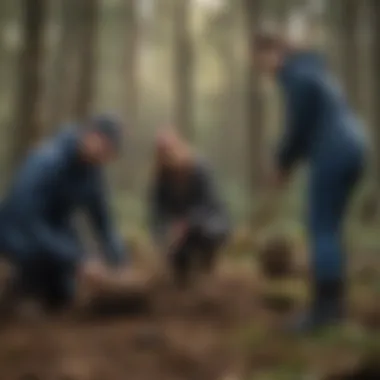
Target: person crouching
[[188, 220]]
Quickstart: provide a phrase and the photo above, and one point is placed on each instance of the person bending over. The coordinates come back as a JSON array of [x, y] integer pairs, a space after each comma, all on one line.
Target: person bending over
[[322, 130], [37, 233]]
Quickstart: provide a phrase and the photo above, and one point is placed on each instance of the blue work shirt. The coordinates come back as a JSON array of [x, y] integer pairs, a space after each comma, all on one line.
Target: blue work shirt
[[320, 124], [52, 184]]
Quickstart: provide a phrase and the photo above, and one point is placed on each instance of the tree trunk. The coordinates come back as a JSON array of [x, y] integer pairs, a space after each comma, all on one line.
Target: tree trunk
[[183, 67], [27, 107], [5, 15], [333, 36], [255, 101], [62, 84], [230, 113], [130, 153], [375, 11], [131, 53], [5, 55], [282, 16], [350, 63], [88, 11]]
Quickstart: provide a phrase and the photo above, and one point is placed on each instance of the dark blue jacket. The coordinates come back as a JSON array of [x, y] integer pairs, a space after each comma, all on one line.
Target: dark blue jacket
[[197, 202], [318, 118], [53, 183]]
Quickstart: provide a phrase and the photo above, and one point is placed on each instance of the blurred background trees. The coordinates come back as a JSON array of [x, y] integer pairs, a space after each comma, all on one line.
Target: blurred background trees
[[27, 103], [173, 61]]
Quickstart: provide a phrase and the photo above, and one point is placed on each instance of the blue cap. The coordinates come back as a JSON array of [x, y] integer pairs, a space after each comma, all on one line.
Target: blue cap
[[109, 126]]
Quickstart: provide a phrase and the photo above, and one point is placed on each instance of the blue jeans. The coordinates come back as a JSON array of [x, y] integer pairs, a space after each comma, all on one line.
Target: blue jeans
[[333, 179], [39, 274], [43, 278]]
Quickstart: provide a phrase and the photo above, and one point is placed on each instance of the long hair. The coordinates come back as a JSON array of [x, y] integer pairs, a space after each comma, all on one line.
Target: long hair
[[170, 143]]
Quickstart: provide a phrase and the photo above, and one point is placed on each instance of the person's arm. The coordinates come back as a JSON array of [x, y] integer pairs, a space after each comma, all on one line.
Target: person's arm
[[208, 202], [300, 114], [33, 192], [158, 218], [99, 213]]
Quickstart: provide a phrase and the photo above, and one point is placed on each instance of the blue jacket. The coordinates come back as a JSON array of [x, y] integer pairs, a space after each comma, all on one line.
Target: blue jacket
[[318, 118], [37, 215]]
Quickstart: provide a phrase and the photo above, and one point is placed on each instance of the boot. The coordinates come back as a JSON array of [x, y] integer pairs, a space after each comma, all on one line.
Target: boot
[[332, 300], [327, 309], [9, 300]]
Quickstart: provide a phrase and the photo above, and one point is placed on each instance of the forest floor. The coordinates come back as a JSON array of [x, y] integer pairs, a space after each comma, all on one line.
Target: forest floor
[[227, 327]]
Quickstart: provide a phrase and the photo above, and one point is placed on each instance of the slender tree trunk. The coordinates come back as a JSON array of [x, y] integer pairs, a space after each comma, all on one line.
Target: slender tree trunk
[[131, 93], [4, 15], [183, 67], [89, 17], [282, 15], [255, 101], [27, 108], [350, 55], [227, 136], [62, 83], [333, 36], [4, 56], [131, 53], [375, 10]]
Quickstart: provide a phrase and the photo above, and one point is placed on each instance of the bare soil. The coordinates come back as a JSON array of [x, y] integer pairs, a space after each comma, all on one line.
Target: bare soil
[[222, 328]]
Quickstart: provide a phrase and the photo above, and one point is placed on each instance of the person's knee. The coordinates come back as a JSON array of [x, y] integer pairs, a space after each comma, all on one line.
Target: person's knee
[[210, 249], [215, 239], [212, 231]]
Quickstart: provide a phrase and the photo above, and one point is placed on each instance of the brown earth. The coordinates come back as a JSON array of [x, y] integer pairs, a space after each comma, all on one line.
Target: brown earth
[[154, 332], [157, 333]]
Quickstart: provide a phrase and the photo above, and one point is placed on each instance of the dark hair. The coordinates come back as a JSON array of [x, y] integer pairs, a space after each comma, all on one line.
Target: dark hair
[[268, 40]]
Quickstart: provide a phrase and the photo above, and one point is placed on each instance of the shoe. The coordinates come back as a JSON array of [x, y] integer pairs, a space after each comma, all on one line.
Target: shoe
[[313, 321], [327, 310]]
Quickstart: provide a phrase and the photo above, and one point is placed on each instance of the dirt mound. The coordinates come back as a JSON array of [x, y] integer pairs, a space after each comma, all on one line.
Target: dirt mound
[[161, 333]]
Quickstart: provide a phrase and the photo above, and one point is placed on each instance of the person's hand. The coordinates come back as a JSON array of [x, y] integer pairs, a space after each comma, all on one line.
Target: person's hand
[[177, 231], [92, 273]]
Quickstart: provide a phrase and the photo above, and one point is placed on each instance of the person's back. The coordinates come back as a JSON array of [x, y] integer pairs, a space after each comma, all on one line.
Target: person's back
[[325, 120], [64, 186]]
